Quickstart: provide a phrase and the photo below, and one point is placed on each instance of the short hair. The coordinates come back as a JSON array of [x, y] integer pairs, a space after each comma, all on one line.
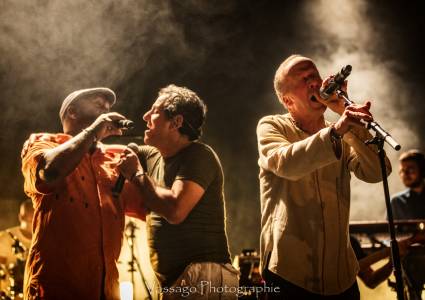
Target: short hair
[[280, 84], [185, 102], [26, 206], [416, 156]]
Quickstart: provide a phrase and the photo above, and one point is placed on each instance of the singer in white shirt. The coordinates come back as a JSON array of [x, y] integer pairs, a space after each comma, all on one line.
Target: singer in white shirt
[[305, 164]]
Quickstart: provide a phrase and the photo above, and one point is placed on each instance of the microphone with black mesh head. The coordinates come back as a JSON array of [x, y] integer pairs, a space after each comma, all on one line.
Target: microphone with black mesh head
[[119, 184], [335, 82]]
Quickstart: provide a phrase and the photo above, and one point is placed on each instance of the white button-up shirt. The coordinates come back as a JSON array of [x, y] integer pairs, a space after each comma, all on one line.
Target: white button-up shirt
[[305, 202]]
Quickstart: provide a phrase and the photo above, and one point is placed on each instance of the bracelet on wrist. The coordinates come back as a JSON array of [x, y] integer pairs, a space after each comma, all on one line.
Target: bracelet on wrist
[[88, 132], [334, 135], [336, 142], [137, 174]]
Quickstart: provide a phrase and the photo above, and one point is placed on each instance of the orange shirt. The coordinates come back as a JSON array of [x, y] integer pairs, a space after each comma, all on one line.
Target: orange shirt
[[77, 226]]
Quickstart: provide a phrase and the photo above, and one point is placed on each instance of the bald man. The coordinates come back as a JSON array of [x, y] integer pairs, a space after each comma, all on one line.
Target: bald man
[[305, 165]]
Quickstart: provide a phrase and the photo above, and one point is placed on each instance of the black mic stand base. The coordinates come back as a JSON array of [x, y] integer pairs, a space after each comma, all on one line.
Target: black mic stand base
[[378, 140]]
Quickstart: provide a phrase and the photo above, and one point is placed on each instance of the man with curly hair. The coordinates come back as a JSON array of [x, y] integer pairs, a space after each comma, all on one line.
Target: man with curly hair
[[181, 180]]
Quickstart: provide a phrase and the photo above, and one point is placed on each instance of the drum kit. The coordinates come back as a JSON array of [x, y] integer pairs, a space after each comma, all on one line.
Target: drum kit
[[248, 264], [12, 274]]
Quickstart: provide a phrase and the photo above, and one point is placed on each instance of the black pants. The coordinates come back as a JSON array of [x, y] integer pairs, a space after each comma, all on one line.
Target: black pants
[[289, 291], [413, 266]]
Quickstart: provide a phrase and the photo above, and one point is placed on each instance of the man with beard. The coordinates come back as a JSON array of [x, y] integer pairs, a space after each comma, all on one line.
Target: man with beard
[[181, 180], [410, 205], [78, 224]]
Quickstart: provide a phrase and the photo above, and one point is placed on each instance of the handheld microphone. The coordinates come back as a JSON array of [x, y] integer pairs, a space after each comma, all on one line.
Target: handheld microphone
[[119, 184], [124, 124], [335, 83]]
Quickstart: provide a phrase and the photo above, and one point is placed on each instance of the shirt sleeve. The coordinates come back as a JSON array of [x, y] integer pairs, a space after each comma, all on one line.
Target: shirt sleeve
[[146, 152], [363, 159], [32, 153], [397, 208], [134, 203], [292, 159], [201, 165]]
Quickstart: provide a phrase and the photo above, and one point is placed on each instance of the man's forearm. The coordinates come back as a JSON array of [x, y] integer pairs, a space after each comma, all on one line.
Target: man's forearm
[[157, 199], [60, 161], [374, 257], [295, 160], [364, 159]]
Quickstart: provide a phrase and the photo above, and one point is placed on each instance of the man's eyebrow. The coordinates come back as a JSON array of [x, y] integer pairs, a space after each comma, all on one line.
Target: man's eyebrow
[[156, 106]]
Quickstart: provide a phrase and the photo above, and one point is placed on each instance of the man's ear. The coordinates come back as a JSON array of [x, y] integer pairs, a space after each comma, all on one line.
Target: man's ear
[[177, 121], [72, 112], [286, 101]]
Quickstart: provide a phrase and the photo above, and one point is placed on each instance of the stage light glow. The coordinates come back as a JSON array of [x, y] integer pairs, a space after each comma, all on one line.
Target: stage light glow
[[126, 290]]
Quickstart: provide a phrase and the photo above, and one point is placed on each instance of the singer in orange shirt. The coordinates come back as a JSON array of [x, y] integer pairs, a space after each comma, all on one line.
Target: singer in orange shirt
[[78, 224]]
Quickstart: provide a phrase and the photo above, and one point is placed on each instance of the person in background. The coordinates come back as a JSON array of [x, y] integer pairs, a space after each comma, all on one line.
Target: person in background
[[410, 205], [14, 246], [373, 277]]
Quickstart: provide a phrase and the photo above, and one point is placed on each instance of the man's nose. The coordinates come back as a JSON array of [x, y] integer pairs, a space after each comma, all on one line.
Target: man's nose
[[146, 116], [106, 108], [314, 83]]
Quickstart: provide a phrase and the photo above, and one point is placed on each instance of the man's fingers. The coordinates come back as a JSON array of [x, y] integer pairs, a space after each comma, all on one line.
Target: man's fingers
[[128, 152], [368, 104], [114, 131], [360, 112], [355, 118], [360, 107], [359, 115], [357, 107], [115, 116]]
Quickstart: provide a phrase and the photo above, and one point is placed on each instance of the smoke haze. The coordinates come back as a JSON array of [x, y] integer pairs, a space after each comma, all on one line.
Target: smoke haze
[[226, 51], [352, 38]]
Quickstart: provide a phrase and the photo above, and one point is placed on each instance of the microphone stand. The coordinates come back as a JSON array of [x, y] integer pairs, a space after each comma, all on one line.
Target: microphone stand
[[382, 136], [133, 261]]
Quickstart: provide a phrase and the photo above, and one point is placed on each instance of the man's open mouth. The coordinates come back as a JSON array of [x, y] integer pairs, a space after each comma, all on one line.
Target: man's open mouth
[[313, 98]]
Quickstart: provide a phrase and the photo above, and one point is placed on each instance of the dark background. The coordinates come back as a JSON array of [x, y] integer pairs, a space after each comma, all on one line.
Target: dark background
[[226, 51]]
